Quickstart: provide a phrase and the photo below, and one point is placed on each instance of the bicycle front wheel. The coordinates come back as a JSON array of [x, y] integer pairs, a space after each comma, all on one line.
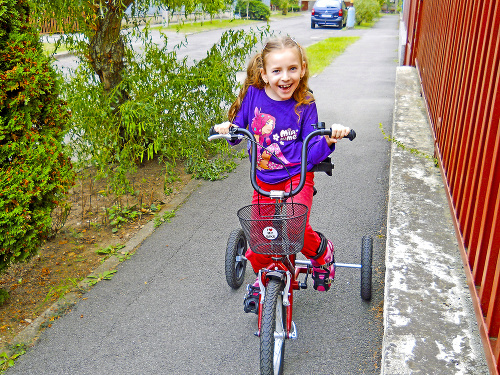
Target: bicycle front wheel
[[273, 330]]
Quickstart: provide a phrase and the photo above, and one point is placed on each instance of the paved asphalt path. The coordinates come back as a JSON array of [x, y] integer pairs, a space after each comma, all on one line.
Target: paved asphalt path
[[168, 309]]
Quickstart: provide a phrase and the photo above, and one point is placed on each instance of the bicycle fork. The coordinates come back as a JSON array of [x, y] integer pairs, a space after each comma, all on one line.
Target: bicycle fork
[[286, 278]]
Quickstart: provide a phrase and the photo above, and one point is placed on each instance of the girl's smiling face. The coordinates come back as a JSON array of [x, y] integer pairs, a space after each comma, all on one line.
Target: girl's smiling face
[[282, 72]]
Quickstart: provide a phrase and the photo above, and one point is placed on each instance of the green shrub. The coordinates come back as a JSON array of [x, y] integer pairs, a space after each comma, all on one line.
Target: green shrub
[[257, 10], [366, 10], [172, 104], [289, 5], [34, 170], [4, 296]]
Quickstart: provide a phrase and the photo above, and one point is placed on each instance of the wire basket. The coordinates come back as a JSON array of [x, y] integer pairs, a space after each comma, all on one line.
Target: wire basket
[[274, 229]]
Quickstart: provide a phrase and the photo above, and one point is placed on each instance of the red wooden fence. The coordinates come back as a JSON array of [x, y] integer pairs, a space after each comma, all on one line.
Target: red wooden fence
[[455, 46]]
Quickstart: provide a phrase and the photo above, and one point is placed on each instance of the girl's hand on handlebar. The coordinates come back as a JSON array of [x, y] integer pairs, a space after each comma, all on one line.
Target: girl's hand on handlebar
[[338, 132], [223, 128]]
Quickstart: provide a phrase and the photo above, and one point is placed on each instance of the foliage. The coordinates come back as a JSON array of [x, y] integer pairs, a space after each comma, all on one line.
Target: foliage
[[366, 10], [35, 172], [286, 5], [111, 78], [7, 359], [60, 290], [94, 279], [103, 46], [164, 218], [114, 251], [283, 5], [412, 150], [89, 15], [389, 5], [171, 107], [291, 5], [4, 296], [119, 215], [255, 9], [127, 105], [201, 26], [213, 6], [110, 250], [212, 170]]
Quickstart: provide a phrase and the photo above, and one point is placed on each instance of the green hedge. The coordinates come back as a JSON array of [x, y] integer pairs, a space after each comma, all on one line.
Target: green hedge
[[366, 10], [257, 10], [34, 171]]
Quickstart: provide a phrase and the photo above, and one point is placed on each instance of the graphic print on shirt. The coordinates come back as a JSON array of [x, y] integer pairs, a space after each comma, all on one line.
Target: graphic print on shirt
[[263, 126]]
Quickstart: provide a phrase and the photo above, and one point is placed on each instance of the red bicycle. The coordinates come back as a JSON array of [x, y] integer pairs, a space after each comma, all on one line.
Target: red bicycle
[[277, 229]]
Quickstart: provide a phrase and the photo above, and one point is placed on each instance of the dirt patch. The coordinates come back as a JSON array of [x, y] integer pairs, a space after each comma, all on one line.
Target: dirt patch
[[96, 225]]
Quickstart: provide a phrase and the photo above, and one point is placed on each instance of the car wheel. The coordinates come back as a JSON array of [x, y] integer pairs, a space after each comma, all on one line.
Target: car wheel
[[313, 25]]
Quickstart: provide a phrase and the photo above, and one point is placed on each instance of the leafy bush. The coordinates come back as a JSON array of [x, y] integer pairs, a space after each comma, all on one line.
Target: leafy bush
[[366, 10], [34, 170], [210, 170], [4, 296], [257, 10], [289, 5], [172, 104]]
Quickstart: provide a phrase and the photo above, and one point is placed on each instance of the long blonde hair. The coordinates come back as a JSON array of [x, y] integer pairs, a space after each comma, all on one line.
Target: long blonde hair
[[302, 94]]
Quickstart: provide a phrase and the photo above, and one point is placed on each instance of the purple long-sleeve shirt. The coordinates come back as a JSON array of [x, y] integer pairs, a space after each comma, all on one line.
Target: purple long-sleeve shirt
[[280, 133]]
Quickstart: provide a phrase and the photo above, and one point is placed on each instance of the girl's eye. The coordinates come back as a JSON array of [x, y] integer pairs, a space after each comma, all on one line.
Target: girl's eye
[[276, 71]]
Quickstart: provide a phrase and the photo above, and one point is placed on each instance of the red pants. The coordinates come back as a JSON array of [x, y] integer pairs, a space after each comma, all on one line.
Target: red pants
[[311, 238]]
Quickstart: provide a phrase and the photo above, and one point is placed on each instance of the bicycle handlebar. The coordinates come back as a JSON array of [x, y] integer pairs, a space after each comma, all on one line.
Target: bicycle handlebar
[[236, 133]]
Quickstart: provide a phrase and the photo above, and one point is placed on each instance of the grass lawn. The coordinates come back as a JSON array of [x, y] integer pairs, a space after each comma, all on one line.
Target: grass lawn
[[321, 54], [195, 27], [48, 48], [217, 23]]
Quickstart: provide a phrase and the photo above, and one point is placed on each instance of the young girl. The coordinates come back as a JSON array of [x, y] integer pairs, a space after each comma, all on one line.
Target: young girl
[[277, 106]]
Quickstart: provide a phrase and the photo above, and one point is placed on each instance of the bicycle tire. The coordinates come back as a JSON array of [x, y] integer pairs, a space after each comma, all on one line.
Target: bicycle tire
[[235, 269], [273, 330], [366, 267]]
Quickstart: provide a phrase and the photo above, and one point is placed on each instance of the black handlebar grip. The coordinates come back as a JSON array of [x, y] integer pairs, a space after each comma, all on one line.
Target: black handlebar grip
[[212, 131], [351, 135]]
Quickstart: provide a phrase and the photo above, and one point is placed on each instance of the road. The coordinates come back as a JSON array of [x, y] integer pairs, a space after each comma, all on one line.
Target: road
[[168, 309]]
